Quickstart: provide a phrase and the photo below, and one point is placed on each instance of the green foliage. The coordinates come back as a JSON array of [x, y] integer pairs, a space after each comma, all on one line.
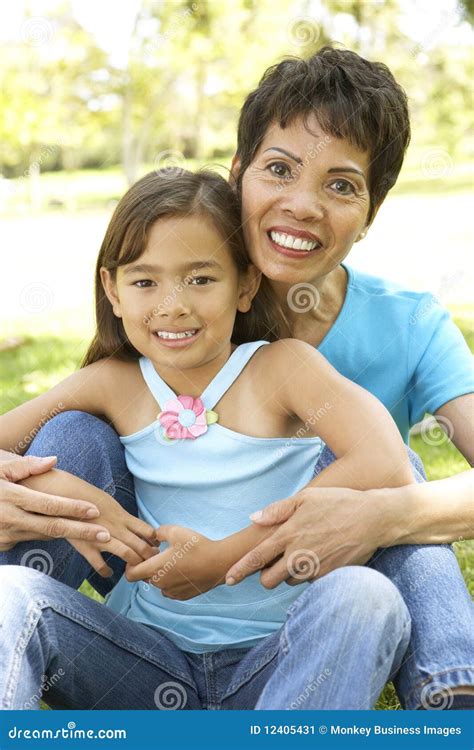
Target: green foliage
[[185, 70]]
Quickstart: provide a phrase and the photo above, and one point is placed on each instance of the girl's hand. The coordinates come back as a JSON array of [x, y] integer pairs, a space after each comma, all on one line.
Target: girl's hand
[[190, 566], [321, 529], [130, 538]]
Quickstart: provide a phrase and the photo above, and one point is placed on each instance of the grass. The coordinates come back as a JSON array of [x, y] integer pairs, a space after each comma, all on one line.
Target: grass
[[42, 361]]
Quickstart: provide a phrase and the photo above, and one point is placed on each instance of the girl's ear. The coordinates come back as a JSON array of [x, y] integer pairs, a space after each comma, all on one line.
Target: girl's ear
[[249, 285], [110, 289]]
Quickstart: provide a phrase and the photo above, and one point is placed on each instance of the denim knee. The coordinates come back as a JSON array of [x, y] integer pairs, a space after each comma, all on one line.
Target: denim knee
[[358, 590], [86, 447], [19, 583]]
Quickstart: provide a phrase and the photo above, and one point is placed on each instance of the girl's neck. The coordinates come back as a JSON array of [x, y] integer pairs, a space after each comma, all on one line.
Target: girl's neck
[[193, 381], [328, 293]]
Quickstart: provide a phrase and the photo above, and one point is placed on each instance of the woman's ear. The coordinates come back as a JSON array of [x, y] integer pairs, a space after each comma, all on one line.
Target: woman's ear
[[234, 169], [369, 224], [110, 289], [249, 285]]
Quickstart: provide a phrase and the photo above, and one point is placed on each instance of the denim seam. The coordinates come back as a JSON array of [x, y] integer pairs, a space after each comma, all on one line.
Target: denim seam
[[233, 687], [453, 671], [121, 643], [21, 645]]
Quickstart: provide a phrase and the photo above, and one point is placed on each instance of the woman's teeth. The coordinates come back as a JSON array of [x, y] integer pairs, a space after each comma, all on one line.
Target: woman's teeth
[[295, 243], [182, 335]]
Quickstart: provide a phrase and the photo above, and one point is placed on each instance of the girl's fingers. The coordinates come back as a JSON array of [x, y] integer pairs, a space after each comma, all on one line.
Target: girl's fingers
[[137, 544], [95, 559], [275, 574], [142, 529], [116, 547], [147, 569]]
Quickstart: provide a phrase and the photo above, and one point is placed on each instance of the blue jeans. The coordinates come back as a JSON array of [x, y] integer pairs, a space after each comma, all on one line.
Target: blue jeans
[[86, 656]]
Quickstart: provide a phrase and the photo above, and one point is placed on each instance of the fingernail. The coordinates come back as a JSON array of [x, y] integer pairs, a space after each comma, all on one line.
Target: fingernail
[[107, 572], [230, 581], [92, 513], [102, 536], [47, 458], [256, 516]]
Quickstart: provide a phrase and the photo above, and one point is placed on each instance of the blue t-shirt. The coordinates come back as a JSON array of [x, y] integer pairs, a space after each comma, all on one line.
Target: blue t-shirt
[[400, 345]]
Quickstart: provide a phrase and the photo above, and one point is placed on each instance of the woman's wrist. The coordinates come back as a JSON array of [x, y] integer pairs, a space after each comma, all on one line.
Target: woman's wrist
[[395, 514]]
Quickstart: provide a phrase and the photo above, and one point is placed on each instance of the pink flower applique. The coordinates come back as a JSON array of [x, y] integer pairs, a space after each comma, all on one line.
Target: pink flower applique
[[185, 417]]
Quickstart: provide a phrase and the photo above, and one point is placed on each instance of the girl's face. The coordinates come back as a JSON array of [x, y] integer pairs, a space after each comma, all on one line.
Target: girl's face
[[307, 189], [179, 299]]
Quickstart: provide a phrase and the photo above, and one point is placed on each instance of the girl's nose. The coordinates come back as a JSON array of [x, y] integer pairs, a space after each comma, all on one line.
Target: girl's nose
[[174, 302]]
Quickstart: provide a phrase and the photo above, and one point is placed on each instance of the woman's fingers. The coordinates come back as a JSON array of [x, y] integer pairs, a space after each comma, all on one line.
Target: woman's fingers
[[276, 512], [52, 505], [53, 527], [256, 559]]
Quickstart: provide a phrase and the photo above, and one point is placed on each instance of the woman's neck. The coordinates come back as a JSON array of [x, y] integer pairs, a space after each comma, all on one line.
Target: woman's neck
[[327, 293]]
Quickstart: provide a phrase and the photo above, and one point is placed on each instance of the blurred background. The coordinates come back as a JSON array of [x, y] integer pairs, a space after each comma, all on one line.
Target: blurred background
[[95, 93]]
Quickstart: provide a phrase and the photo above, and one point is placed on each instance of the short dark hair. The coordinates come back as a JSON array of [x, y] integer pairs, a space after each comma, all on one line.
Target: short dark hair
[[351, 97], [174, 192]]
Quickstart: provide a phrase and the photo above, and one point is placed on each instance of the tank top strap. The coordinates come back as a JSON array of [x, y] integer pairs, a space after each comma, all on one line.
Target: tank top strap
[[162, 393], [229, 373]]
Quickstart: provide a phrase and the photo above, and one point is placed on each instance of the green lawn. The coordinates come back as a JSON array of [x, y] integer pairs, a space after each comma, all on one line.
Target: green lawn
[[42, 361]]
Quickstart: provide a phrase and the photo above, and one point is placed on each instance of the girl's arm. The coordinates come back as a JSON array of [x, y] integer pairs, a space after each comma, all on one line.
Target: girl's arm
[[90, 390], [86, 390], [354, 424]]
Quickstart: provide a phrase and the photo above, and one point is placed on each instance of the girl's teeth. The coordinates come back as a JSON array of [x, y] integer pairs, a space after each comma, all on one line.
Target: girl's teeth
[[169, 335], [295, 243]]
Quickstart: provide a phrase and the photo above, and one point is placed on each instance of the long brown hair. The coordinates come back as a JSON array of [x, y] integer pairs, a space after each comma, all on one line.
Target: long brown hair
[[174, 192]]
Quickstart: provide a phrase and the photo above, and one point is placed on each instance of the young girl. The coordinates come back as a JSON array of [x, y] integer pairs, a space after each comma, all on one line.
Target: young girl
[[216, 421]]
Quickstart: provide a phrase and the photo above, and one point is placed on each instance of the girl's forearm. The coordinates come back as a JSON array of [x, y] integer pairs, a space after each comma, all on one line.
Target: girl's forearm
[[437, 512]]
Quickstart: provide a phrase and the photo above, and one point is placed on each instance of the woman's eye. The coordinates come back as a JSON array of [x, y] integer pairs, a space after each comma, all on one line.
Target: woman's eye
[[343, 187], [280, 169], [203, 279], [143, 283]]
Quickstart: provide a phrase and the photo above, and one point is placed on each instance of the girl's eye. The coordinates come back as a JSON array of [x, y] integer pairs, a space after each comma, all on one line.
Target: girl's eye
[[280, 169], [143, 283], [343, 187], [203, 279]]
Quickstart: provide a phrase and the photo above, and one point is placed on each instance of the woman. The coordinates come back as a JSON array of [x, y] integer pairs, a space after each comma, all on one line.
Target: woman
[[320, 144]]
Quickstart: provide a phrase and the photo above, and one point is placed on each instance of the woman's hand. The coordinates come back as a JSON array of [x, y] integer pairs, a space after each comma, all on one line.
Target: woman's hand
[[26, 514], [190, 565], [321, 529]]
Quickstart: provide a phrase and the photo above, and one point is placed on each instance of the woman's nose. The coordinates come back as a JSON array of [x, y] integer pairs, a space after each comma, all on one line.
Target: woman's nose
[[304, 203]]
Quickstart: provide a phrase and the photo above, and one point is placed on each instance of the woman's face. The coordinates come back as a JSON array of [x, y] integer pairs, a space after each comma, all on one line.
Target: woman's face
[[305, 201]]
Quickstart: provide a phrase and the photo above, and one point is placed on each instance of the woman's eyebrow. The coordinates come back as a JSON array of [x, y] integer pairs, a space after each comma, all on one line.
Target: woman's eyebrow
[[346, 169], [287, 153]]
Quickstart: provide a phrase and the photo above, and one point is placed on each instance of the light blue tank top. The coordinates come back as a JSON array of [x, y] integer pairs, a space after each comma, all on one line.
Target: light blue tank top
[[211, 484]]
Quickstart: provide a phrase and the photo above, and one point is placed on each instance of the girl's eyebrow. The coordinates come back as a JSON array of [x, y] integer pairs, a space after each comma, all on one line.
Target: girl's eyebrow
[[147, 268]]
